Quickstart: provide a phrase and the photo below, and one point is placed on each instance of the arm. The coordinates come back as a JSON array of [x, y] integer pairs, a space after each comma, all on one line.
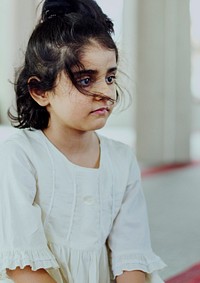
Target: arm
[[26, 275], [129, 239], [23, 241], [135, 276]]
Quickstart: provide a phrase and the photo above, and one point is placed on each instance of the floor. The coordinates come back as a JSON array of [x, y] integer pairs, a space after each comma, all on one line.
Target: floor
[[173, 201]]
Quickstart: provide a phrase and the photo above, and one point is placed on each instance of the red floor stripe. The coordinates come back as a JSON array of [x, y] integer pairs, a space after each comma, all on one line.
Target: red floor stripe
[[191, 275], [168, 167]]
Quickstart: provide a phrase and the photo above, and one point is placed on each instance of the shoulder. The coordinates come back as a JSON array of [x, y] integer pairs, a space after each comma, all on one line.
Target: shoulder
[[22, 154], [116, 147], [118, 152], [21, 136], [21, 142], [120, 159]]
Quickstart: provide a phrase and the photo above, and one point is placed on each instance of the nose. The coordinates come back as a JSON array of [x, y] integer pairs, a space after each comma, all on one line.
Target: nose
[[105, 92], [108, 89], [106, 99]]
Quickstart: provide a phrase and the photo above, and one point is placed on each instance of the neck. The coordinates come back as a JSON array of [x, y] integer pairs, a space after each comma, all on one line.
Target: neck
[[67, 138], [81, 148]]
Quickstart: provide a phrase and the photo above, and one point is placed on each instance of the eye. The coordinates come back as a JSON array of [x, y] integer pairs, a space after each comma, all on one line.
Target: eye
[[111, 79], [84, 82]]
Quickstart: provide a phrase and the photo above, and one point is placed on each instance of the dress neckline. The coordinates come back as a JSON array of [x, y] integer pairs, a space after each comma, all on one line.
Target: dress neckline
[[69, 162]]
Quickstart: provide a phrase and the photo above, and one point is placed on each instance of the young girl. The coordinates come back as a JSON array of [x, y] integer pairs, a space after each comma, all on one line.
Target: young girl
[[71, 208]]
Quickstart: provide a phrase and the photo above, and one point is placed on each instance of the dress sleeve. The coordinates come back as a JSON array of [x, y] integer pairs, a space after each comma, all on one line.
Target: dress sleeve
[[22, 237], [129, 240]]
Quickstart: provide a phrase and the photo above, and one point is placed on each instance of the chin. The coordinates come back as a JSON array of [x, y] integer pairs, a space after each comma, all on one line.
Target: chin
[[99, 126]]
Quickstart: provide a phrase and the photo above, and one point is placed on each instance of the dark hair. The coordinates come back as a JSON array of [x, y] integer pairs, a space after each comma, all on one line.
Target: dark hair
[[66, 27]]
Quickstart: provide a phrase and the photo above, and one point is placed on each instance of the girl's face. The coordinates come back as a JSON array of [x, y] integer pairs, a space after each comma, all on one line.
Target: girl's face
[[69, 108]]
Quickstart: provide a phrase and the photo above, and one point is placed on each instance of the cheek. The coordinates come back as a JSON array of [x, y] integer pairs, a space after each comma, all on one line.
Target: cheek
[[73, 102], [79, 100]]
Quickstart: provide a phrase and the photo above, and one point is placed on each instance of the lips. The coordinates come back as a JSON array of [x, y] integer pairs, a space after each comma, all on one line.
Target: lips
[[101, 110]]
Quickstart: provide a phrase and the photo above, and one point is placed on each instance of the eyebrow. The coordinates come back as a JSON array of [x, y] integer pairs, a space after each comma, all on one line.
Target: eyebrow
[[92, 72]]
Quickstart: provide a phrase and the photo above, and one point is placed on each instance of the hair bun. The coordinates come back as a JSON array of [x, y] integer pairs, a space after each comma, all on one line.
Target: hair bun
[[87, 8], [53, 8]]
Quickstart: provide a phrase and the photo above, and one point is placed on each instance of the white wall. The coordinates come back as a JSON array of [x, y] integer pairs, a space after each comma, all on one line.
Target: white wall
[[163, 94], [17, 19]]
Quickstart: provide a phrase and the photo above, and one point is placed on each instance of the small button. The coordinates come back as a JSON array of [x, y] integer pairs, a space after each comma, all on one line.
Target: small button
[[88, 200]]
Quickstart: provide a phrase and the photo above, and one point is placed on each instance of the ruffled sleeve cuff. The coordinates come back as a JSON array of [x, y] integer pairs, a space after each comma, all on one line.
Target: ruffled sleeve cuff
[[148, 263], [37, 258]]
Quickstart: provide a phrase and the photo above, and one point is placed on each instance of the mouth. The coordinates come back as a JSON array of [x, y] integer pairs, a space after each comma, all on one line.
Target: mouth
[[101, 110]]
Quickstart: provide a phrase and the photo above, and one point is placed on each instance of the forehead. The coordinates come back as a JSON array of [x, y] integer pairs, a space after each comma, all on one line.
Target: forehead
[[96, 56]]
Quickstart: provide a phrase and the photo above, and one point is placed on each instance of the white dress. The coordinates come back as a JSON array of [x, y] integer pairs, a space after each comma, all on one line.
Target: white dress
[[82, 225]]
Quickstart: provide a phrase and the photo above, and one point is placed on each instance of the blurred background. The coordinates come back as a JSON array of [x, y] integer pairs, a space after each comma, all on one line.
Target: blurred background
[[159, 44]]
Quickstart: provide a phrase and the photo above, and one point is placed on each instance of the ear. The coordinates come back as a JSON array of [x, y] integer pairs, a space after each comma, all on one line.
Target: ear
[[41, 97]]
